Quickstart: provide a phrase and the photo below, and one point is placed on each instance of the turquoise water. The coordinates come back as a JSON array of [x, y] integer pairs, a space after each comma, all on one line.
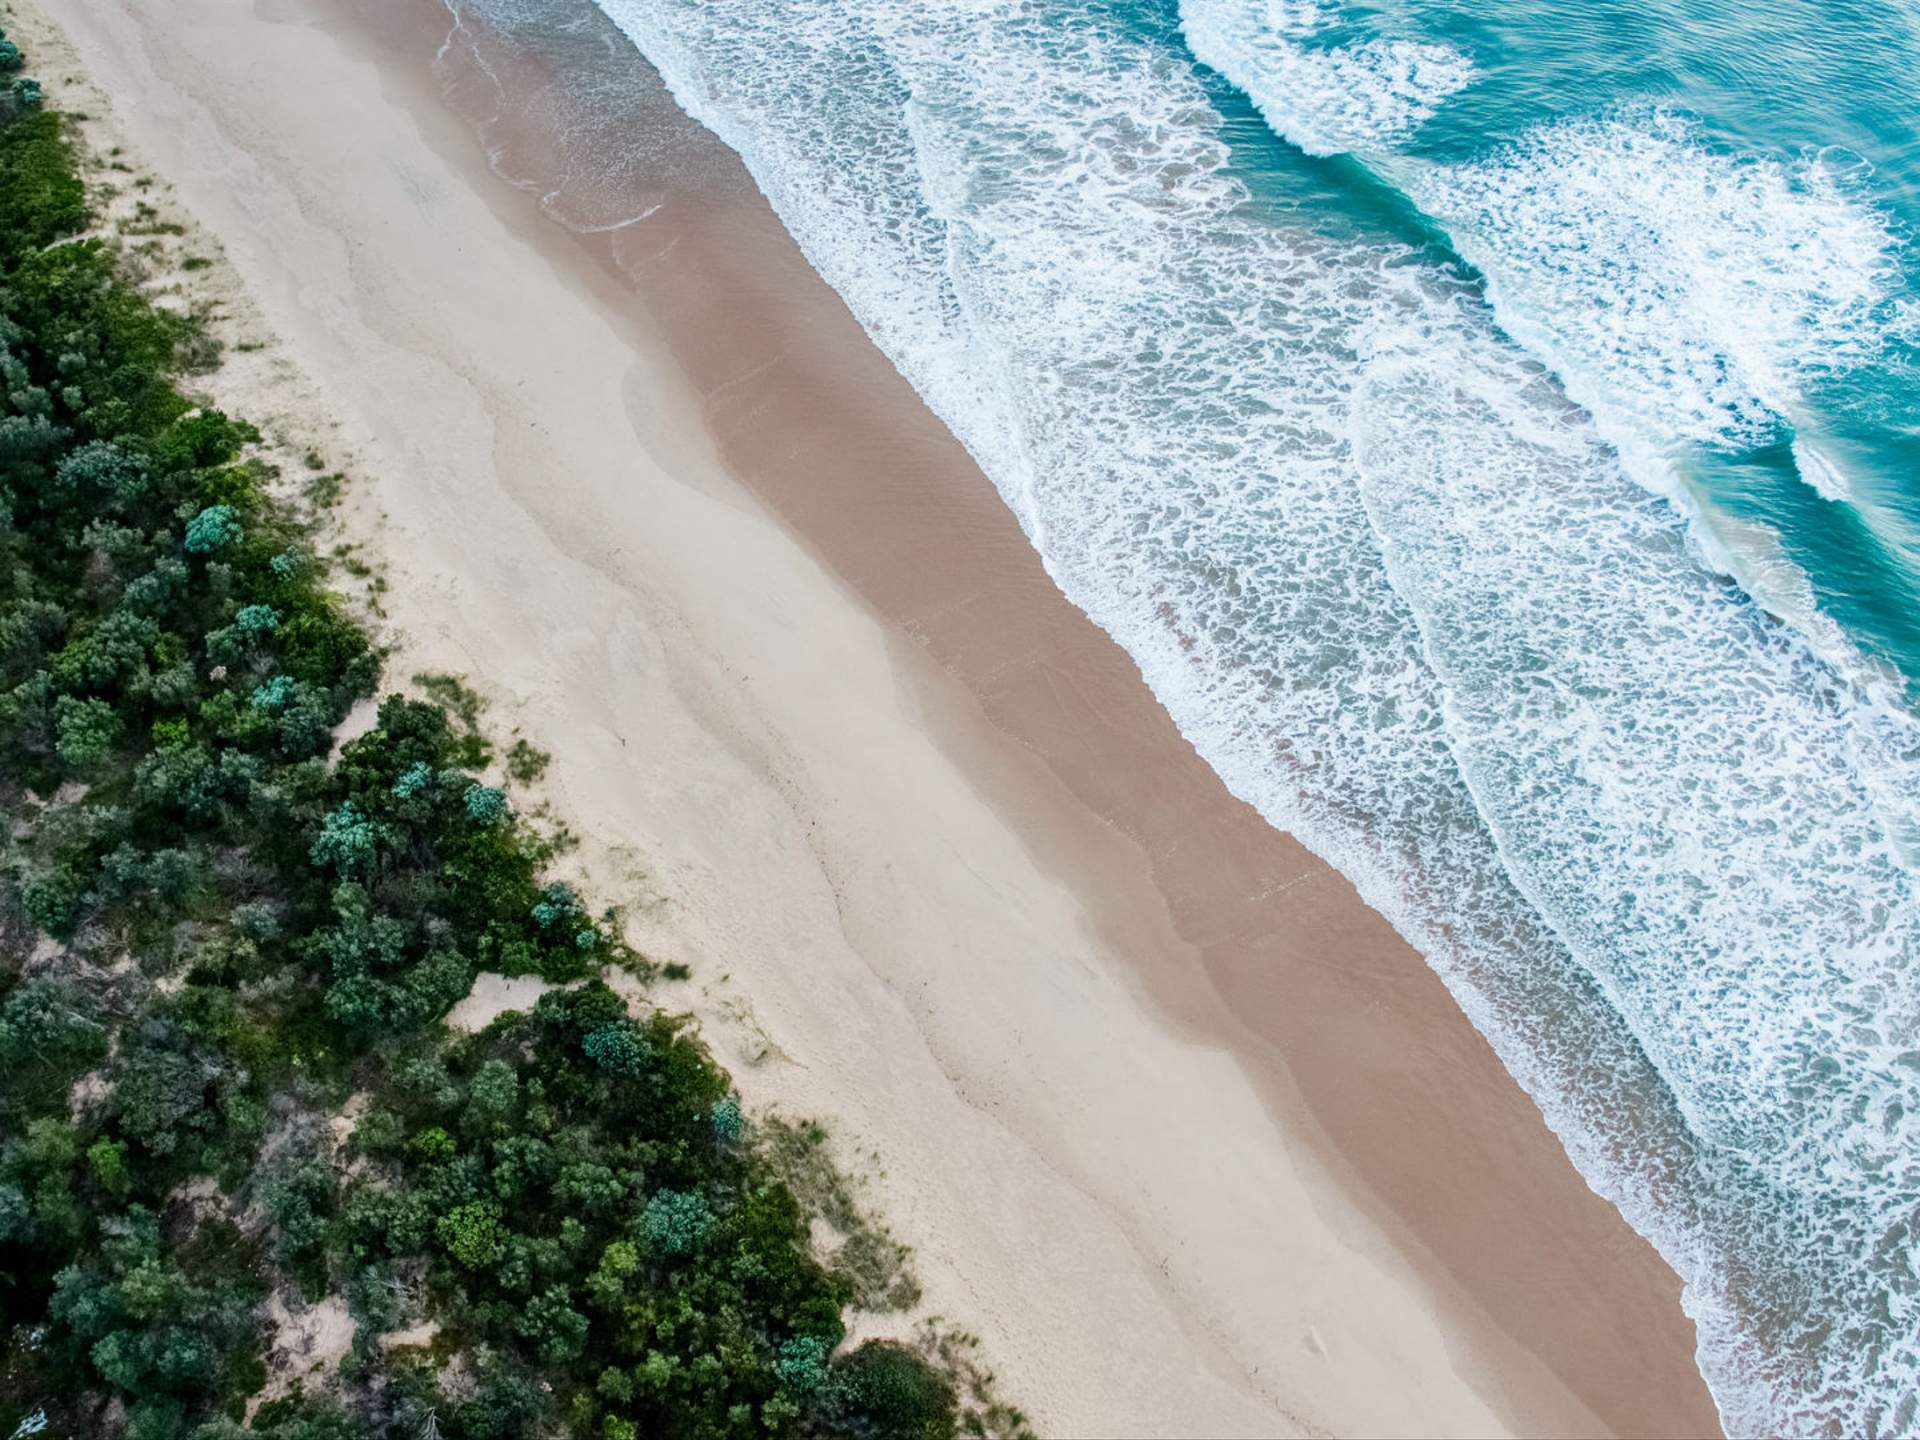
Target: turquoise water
[[1490, 436], [1788, 400]]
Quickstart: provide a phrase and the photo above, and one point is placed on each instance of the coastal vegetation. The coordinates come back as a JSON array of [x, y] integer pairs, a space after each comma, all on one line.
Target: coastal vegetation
[[230, 1108]]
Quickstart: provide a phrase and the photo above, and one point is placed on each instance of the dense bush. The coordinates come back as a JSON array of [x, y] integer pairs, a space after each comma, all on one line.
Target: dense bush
[[41, 198], [253, 930]]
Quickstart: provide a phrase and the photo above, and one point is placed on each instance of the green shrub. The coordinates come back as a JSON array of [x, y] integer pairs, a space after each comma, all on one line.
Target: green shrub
[[802, 1364], [471, 1233], [617, 1048], [486, 805], [892, 1394], [41, 198], [108, 1161], [346, 841], [88, 730], [676, 1222], [215, 528], [51, 1023]]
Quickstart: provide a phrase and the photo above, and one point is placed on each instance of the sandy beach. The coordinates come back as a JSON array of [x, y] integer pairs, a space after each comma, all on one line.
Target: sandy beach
[[1179, 1127]]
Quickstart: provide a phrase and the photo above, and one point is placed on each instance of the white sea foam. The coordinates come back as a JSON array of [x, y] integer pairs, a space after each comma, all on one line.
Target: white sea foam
[[1689, 794], [1685, 296], [1671, 776], [1030, 210], [1691, 293], [1325, 98]]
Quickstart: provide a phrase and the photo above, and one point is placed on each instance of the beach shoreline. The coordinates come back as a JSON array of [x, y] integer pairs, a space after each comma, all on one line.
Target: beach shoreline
[[978, 900]]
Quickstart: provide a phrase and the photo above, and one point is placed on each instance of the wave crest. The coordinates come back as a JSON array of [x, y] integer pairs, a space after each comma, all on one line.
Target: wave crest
[[1326, 98]]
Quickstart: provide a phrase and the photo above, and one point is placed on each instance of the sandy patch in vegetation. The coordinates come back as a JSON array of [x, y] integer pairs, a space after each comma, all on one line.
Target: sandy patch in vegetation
[[493, 996], [307, 1345]]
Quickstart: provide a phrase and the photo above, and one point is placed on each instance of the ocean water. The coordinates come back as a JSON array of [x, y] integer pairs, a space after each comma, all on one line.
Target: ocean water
[[1493, 436]]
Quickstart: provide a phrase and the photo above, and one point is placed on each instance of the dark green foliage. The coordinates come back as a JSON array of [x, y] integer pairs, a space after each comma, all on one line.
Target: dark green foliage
[[87, 731], [728, 1123], [252, 932], [165, 1326], [52, 1025], [662, 1271], [616, 1048], [96, 351], [300, 1199], [676, 1222], [886, 1391], [168, 1086]]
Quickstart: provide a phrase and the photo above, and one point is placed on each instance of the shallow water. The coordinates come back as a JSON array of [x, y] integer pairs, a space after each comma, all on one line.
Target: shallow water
[[1488, 438]]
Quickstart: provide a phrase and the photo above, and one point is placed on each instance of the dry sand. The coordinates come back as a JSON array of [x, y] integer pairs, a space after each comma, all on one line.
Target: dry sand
[[1177, 1125]]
